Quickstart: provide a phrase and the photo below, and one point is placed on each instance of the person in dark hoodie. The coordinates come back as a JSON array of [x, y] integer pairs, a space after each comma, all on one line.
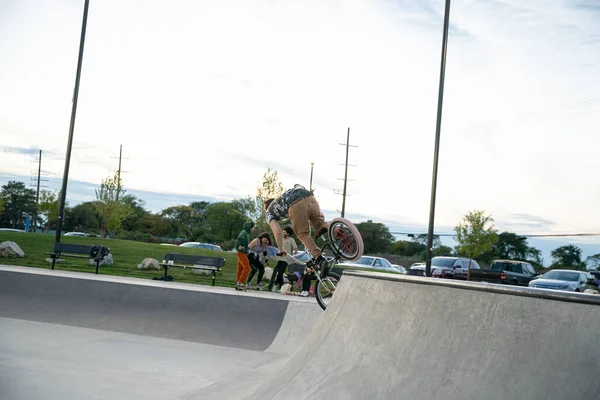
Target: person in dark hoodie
[[243, 264]]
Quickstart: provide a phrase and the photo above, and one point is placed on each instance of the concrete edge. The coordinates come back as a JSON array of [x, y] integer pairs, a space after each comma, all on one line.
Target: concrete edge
[[548, 294], [152, 283]]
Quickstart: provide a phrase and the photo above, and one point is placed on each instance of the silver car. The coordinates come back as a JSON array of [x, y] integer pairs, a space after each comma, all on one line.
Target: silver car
[[199, 245], [565, 279], [371, 262]]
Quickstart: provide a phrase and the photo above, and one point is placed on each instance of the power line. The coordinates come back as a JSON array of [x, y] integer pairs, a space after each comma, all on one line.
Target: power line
[[524, 235]]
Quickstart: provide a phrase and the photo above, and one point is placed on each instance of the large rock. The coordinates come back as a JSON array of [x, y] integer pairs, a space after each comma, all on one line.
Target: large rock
[[108, 260], [202, 272], [149, 264], [10, 249]]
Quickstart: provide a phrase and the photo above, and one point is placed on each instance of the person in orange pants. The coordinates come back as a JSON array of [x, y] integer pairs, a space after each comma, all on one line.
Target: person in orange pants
[[243, 264]]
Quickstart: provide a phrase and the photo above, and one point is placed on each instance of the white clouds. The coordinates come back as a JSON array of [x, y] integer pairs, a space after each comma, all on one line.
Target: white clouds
[[204, 96]]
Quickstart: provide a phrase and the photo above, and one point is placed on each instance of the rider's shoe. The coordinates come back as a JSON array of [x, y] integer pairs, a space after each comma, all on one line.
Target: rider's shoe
[[322, 265]]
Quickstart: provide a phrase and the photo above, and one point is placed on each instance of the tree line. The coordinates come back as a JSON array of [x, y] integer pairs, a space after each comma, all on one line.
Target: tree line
[[115, 213]]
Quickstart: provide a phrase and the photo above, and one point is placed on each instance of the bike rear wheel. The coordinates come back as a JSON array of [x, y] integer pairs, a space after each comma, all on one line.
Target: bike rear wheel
[[325, 288], [345, 239]]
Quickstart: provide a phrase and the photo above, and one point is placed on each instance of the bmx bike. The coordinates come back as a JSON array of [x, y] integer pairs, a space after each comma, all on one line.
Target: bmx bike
[[345, 242]]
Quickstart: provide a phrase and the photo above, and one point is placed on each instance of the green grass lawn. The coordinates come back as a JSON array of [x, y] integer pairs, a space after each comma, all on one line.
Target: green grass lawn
[[127, 255]]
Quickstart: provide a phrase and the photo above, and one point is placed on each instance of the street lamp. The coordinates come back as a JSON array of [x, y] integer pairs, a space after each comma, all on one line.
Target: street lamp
[[436, 150], [63, 192]]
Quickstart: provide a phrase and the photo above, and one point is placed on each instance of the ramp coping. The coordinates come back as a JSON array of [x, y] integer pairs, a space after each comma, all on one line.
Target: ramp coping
[[583, 298]]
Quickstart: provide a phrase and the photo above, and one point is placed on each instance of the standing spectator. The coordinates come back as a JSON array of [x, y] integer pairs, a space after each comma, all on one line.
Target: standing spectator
[[289, 247], [243, 265], [257, 255]]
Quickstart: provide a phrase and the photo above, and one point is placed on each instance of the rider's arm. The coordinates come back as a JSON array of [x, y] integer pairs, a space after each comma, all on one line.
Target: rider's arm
[[277, 234]]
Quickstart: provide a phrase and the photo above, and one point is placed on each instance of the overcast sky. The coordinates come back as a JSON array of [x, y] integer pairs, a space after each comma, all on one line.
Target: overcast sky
[[204, 96]]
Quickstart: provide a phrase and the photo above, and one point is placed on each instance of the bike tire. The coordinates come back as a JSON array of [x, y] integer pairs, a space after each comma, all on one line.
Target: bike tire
[[324, 290], [350, 246]]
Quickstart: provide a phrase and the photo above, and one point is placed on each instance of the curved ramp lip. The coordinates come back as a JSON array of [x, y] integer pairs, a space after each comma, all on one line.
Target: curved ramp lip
[[548, 294], [173, 285]]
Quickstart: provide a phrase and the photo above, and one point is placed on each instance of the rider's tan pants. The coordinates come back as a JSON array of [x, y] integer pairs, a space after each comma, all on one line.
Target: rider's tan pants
[[303, 211]]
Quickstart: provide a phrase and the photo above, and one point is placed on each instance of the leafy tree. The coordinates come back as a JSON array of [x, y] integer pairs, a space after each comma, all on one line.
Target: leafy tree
[[534, 256], [200, 207], [442, 251], [422, 239], [376, 237], [475, 235], [415, 249], [406, 248], [156, 225], [270, 188], [245, 206], [2, 205], [183, 219], [132, 222], [593, 262], [568, 256], [48, 207], [511, 246], [110, 207], [224, 221], [399, 247], [18, 201], [83, 218]]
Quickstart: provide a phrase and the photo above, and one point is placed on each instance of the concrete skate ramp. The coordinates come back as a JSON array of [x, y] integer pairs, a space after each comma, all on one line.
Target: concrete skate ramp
[[231, 320], [387, 337]]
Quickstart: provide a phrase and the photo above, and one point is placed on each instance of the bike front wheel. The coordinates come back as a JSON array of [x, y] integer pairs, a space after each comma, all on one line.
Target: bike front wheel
[[325, 288], [345, 239]]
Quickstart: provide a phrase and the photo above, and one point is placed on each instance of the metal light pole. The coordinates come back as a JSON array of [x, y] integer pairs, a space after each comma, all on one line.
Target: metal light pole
[[37, 194], [437, 140], [345, 175], [63, 192], [311, 174]]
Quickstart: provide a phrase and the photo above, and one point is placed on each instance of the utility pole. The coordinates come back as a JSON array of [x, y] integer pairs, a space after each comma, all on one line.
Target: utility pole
[[119, 171], [311, 174], [37, 195], [436, 150], [348, 145], [63, 192], [36, 182]]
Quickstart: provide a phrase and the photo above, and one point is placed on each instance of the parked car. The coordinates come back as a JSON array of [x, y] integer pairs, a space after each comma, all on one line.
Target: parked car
[[513, 272], [370, 262], [596, 274], [199, 245], [565, 279], [304, 256], [400, 268], [76, 234], [451, 267]]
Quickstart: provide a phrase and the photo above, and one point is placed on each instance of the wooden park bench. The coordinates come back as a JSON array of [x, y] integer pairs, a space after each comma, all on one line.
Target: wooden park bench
[[79, 251], [206, 263]]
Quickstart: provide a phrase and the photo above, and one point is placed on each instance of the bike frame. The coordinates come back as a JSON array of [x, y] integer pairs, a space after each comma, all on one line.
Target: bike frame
[[336, 257]]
